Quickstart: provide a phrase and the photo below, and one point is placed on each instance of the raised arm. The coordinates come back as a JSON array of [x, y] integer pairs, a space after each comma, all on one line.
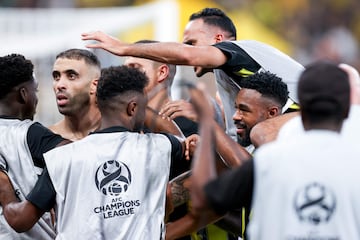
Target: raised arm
[[203, 169], [166, 52], [232, 153]]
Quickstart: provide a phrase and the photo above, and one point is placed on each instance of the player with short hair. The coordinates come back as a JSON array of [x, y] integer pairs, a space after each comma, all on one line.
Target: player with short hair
[[116, 177], [23, 142], [75, 76], [207, 46], [299, 177]]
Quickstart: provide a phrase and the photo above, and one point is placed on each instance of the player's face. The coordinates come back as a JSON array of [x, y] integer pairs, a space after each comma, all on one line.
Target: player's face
[[199, 34], [72, 80], [32, 99], [146, 66], [250, 109]]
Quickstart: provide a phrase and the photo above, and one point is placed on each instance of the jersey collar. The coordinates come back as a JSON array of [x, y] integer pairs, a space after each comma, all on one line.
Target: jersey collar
[[112, 129]]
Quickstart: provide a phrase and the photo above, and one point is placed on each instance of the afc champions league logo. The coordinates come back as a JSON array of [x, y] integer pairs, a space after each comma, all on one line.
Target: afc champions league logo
[[314, 203], [113, 178]]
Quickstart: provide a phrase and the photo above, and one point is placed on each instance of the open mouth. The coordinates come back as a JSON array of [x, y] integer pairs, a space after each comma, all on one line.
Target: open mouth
[[61, 99]]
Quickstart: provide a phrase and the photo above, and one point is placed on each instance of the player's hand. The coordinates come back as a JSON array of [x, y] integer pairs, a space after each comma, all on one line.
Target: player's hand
[[104, 41], [177, 108], [190, 145]]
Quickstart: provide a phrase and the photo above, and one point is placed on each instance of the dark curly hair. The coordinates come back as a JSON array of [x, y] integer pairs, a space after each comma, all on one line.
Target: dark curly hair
[[216, 17], [269, 85], [14, 70], [118, 80]]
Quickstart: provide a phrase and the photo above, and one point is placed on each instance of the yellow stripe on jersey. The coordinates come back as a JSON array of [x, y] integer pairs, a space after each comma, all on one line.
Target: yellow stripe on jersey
[[295, 106], [212, 232], [244, 72]]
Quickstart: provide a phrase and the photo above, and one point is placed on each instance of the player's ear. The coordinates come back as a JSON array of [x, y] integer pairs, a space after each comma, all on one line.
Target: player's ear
[[131, 108], [163, 72], [23, 95], [273, 112], [93, 86]]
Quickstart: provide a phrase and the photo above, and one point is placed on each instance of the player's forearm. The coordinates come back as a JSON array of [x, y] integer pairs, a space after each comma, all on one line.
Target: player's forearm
[[7, 193], [188, 224], [169, 52], [13, 216], [21, 216], [230, 151], [180, 228], [180, 189], [155, 123], [204, 168], [177, 53]]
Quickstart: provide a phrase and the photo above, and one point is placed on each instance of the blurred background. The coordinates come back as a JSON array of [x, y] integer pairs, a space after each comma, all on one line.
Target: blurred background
[[306, 30]]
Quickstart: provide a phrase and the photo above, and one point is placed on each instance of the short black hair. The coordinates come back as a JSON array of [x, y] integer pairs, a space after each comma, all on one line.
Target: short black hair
[[14, 70], [324, 92], [172, 67], [116, 80], [216, 17], [81, 54], [269, 85]]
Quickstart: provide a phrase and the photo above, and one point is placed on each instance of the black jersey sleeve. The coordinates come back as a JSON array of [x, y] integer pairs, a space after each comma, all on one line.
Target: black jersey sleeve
[[40, 140], [43, 194], [232, 189], [238, 59], [178, 162], [176, 147]]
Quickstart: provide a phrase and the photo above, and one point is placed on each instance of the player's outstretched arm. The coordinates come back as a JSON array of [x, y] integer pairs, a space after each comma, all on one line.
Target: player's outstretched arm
[[166, 52], [232, 153]]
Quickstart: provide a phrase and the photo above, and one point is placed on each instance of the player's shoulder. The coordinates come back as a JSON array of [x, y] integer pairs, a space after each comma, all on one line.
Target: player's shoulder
[[58, 128]]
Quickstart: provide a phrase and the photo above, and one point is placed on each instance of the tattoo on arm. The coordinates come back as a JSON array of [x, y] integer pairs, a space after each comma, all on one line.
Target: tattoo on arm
[[180, 189]]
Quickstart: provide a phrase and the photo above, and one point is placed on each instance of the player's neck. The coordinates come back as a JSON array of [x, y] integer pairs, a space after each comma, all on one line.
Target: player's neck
[[158, 100], [80, 126], [10, 108]]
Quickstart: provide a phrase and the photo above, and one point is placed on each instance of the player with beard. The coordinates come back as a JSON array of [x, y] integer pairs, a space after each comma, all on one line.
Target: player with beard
[[210, 45], [23, 143], [75, 76], [131, 170], [260, 98], [294, 186]]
